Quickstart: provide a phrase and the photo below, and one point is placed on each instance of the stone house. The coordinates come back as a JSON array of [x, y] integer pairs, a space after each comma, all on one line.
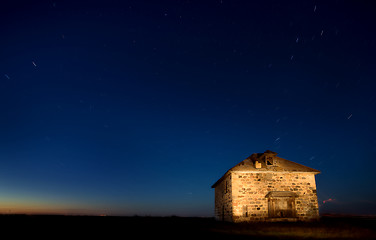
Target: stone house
[[265, 187]]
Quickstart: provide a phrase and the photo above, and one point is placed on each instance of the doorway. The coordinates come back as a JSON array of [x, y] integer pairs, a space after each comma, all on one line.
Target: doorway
[[281, 204]]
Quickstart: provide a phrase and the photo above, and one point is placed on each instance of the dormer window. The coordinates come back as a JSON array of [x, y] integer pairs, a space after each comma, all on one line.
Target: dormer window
[[269, 160]]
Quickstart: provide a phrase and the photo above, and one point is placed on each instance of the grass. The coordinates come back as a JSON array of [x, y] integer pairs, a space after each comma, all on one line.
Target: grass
[[326, 228], [178, 227]]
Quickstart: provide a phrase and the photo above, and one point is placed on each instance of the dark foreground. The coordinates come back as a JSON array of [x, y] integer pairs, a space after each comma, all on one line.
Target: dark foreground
[[179, 227]]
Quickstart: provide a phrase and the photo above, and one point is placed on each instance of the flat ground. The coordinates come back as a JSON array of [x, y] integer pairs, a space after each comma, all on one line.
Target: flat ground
[[178, 227]]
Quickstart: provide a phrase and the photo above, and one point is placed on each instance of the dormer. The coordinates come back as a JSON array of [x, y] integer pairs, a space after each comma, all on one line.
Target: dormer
[[264, 160], [269, 158]]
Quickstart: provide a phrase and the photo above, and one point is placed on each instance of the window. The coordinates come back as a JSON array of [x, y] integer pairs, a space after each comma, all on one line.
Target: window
[[269, 161], [245, 211], [281, 204]]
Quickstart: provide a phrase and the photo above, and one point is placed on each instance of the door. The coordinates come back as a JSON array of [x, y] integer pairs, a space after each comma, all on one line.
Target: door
[[282, 207]]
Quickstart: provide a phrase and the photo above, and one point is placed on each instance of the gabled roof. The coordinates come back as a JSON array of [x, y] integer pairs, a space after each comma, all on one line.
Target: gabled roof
[[281, 165]]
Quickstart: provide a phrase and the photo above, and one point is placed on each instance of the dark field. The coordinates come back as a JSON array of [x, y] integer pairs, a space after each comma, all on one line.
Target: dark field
[[179, 227]]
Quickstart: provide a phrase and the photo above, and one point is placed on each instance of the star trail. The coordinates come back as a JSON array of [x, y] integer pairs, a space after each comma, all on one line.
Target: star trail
[[138, 107]]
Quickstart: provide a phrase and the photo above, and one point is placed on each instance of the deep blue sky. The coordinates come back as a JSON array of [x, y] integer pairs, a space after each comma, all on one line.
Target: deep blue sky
[[138, 107]]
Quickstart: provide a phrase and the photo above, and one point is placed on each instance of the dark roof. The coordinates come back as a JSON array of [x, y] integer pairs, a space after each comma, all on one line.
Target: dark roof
[[282, 165]]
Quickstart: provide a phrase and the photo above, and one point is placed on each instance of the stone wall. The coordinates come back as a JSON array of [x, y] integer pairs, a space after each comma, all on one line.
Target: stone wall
[[249, 192], [223, 199]]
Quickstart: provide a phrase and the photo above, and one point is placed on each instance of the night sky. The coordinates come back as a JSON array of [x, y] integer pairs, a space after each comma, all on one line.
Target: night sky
[[138, 107]]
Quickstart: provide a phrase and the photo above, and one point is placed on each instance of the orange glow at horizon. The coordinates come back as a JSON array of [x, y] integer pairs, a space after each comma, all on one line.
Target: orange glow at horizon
[[17, 206], [48, 210]]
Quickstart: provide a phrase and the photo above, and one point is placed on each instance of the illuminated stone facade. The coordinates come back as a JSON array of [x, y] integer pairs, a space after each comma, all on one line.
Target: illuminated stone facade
[[265, 187]]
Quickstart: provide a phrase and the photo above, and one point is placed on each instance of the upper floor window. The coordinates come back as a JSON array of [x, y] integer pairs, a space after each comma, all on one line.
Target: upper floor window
[[269, 161]]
